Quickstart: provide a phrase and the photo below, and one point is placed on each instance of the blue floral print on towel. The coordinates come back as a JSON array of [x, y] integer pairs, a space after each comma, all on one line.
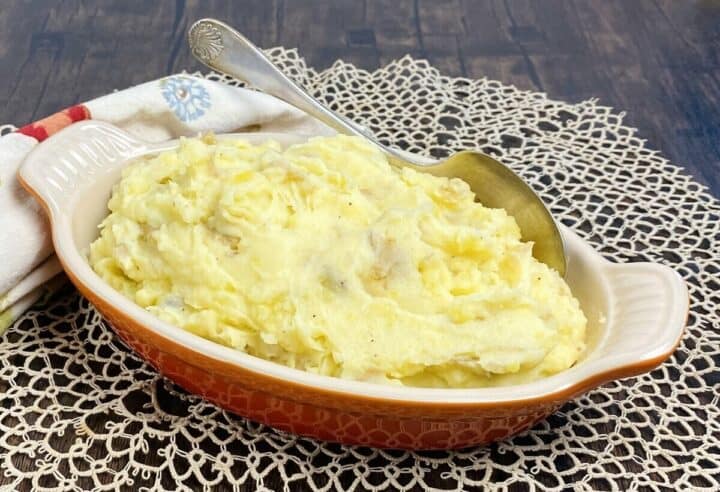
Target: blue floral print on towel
[[186, 97]]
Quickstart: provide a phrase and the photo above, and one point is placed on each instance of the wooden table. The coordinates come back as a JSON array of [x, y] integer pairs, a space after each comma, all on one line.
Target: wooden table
[[659, 60]]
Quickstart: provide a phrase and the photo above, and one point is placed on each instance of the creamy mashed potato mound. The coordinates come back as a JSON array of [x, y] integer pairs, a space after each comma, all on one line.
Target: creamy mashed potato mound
[[324, 258]]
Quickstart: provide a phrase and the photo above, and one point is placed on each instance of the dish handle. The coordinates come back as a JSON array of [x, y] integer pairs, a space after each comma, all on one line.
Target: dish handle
[[649, 309], [58, 167]]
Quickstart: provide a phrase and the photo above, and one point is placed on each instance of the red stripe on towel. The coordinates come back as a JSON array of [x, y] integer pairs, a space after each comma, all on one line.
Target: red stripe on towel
[[40, 130]]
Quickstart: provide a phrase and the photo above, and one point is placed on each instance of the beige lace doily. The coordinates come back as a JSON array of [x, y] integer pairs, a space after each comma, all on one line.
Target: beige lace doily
[[79, 411]]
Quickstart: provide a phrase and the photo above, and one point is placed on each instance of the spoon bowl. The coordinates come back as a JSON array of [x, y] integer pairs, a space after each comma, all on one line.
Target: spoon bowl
[[223, 49], [496, 186]]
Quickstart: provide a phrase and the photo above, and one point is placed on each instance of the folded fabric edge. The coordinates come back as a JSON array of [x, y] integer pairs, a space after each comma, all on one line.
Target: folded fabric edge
[[41, 274], [43, 292]]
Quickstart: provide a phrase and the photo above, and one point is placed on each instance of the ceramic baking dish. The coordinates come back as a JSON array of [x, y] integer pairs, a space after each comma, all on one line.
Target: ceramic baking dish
[[636, 315]]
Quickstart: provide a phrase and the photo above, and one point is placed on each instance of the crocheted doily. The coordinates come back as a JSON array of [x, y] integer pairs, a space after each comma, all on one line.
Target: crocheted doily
[[78, 410]]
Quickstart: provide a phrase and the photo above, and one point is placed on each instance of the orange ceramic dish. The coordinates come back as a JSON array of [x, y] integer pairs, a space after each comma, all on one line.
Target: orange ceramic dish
[[636, 314]]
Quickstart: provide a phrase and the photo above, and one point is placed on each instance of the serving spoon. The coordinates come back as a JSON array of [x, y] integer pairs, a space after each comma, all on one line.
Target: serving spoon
[[225, 50]]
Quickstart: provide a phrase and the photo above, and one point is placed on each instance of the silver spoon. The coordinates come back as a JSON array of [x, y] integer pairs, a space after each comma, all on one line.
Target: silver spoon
[[225, 50]]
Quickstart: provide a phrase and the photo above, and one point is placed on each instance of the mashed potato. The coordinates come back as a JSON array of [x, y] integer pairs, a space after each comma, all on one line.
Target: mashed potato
[[324, 258]]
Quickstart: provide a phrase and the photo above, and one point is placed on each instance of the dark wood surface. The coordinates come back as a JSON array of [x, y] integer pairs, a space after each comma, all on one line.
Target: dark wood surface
[[659, 60]]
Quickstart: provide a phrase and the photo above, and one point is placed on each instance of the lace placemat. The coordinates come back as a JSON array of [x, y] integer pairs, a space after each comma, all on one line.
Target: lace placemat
[[79, 411]]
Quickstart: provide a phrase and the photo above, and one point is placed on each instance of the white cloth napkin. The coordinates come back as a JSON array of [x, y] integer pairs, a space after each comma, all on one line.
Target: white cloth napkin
[[179, 105]]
